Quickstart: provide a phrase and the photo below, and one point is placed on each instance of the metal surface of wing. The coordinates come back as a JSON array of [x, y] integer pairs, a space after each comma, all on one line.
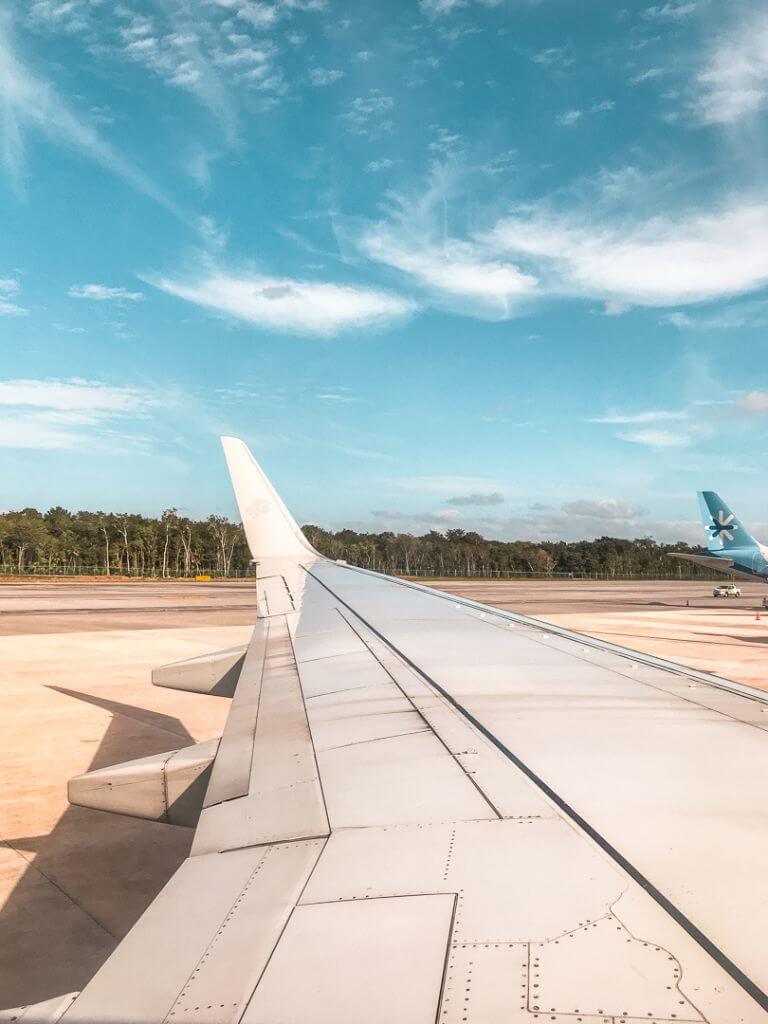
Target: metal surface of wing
[[424, 810]]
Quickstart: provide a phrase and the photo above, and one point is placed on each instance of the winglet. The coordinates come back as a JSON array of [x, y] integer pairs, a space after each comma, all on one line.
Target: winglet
[[270, 528]]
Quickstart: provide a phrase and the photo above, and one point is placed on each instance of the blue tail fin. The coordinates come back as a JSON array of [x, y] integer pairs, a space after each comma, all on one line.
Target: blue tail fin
[[724, 529]]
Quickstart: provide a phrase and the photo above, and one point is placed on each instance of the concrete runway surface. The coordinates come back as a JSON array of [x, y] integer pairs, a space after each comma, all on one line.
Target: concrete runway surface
[[75, 694]]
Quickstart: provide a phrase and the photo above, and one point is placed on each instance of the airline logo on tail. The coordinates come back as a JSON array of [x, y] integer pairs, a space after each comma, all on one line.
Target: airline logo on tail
[[723, 526]]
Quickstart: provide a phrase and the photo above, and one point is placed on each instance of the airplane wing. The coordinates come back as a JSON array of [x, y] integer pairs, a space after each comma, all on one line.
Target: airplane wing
[[422, 810]]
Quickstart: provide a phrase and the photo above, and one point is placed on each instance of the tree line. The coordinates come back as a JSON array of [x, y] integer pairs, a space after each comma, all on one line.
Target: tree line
[[172, 545], [60, 541]]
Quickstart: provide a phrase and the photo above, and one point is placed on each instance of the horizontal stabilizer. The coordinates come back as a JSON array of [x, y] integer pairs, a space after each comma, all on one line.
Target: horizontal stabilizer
[[723, 565], [708, 561], [167, 787], [48, 1012], [216, 673]]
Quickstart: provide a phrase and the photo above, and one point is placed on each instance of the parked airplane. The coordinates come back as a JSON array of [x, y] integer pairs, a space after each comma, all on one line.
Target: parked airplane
[[424, 810], [731, 547]]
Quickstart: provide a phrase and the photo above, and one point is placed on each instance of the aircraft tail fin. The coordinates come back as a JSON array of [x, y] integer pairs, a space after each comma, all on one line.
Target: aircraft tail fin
[[270, 529], [724, 529]]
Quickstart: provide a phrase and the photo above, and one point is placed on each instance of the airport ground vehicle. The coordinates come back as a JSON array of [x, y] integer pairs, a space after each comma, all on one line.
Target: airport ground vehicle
[[726, 590]]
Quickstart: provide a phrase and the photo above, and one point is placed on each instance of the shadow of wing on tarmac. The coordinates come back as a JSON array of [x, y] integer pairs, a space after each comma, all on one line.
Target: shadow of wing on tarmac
[[92, 876]]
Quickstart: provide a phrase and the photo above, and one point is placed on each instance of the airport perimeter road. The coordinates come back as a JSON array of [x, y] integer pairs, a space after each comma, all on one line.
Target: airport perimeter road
[[75, 694], [70, 605], [681, 621]]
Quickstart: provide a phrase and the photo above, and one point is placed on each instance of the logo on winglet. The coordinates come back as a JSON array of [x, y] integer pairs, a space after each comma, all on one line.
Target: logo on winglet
[[723, 526]]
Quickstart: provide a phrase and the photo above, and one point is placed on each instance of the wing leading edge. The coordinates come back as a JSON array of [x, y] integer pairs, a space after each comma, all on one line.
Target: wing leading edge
[[422, 809]]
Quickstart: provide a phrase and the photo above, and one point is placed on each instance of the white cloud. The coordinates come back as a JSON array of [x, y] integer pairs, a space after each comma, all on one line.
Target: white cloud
[[285, 304], [477, 498], [379, 165], [444, 485], [11, 308], [646, 76], [593, 249], [608, 517], [651, 416], [755, 403], [58, 15], [102, 293], [367, 113], [574, 117], [414, 241], [662, 261], [61, 414], [9, 288], [555, 57], [70, 395], [439, 8], [734, 82], [258, 15], [602, 508], [27, 101], [454, 268], [673, 11], [753, 313], [657, 438], [324, 76]]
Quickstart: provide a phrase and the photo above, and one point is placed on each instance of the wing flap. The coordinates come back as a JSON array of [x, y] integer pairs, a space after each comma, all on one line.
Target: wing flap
[[378, 961], [276, 764], [198, 951]]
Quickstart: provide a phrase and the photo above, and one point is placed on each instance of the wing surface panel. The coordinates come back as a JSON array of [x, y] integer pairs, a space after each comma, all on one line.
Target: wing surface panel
[[378, 961], [199, 949], [423, 810], [649, 769]]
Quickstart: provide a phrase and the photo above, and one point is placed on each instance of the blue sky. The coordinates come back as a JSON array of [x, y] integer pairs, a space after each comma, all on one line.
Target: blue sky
[[450, 263]]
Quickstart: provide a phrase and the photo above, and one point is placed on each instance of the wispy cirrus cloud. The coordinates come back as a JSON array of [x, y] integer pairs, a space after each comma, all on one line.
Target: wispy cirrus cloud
[[9, 289], [700, 421], [573, 117], [655, 438], [733, 83], [751, 313], [457, 271], [440, 8], [103, 293], [561, 247], [324, 76], [649, 416], [64, 413], [369, 114], [674, 10], [29, 103], [285, 304], [447, 485]]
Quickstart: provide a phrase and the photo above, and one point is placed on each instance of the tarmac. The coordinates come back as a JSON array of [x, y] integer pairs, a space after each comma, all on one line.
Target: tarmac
[[75, 694]]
